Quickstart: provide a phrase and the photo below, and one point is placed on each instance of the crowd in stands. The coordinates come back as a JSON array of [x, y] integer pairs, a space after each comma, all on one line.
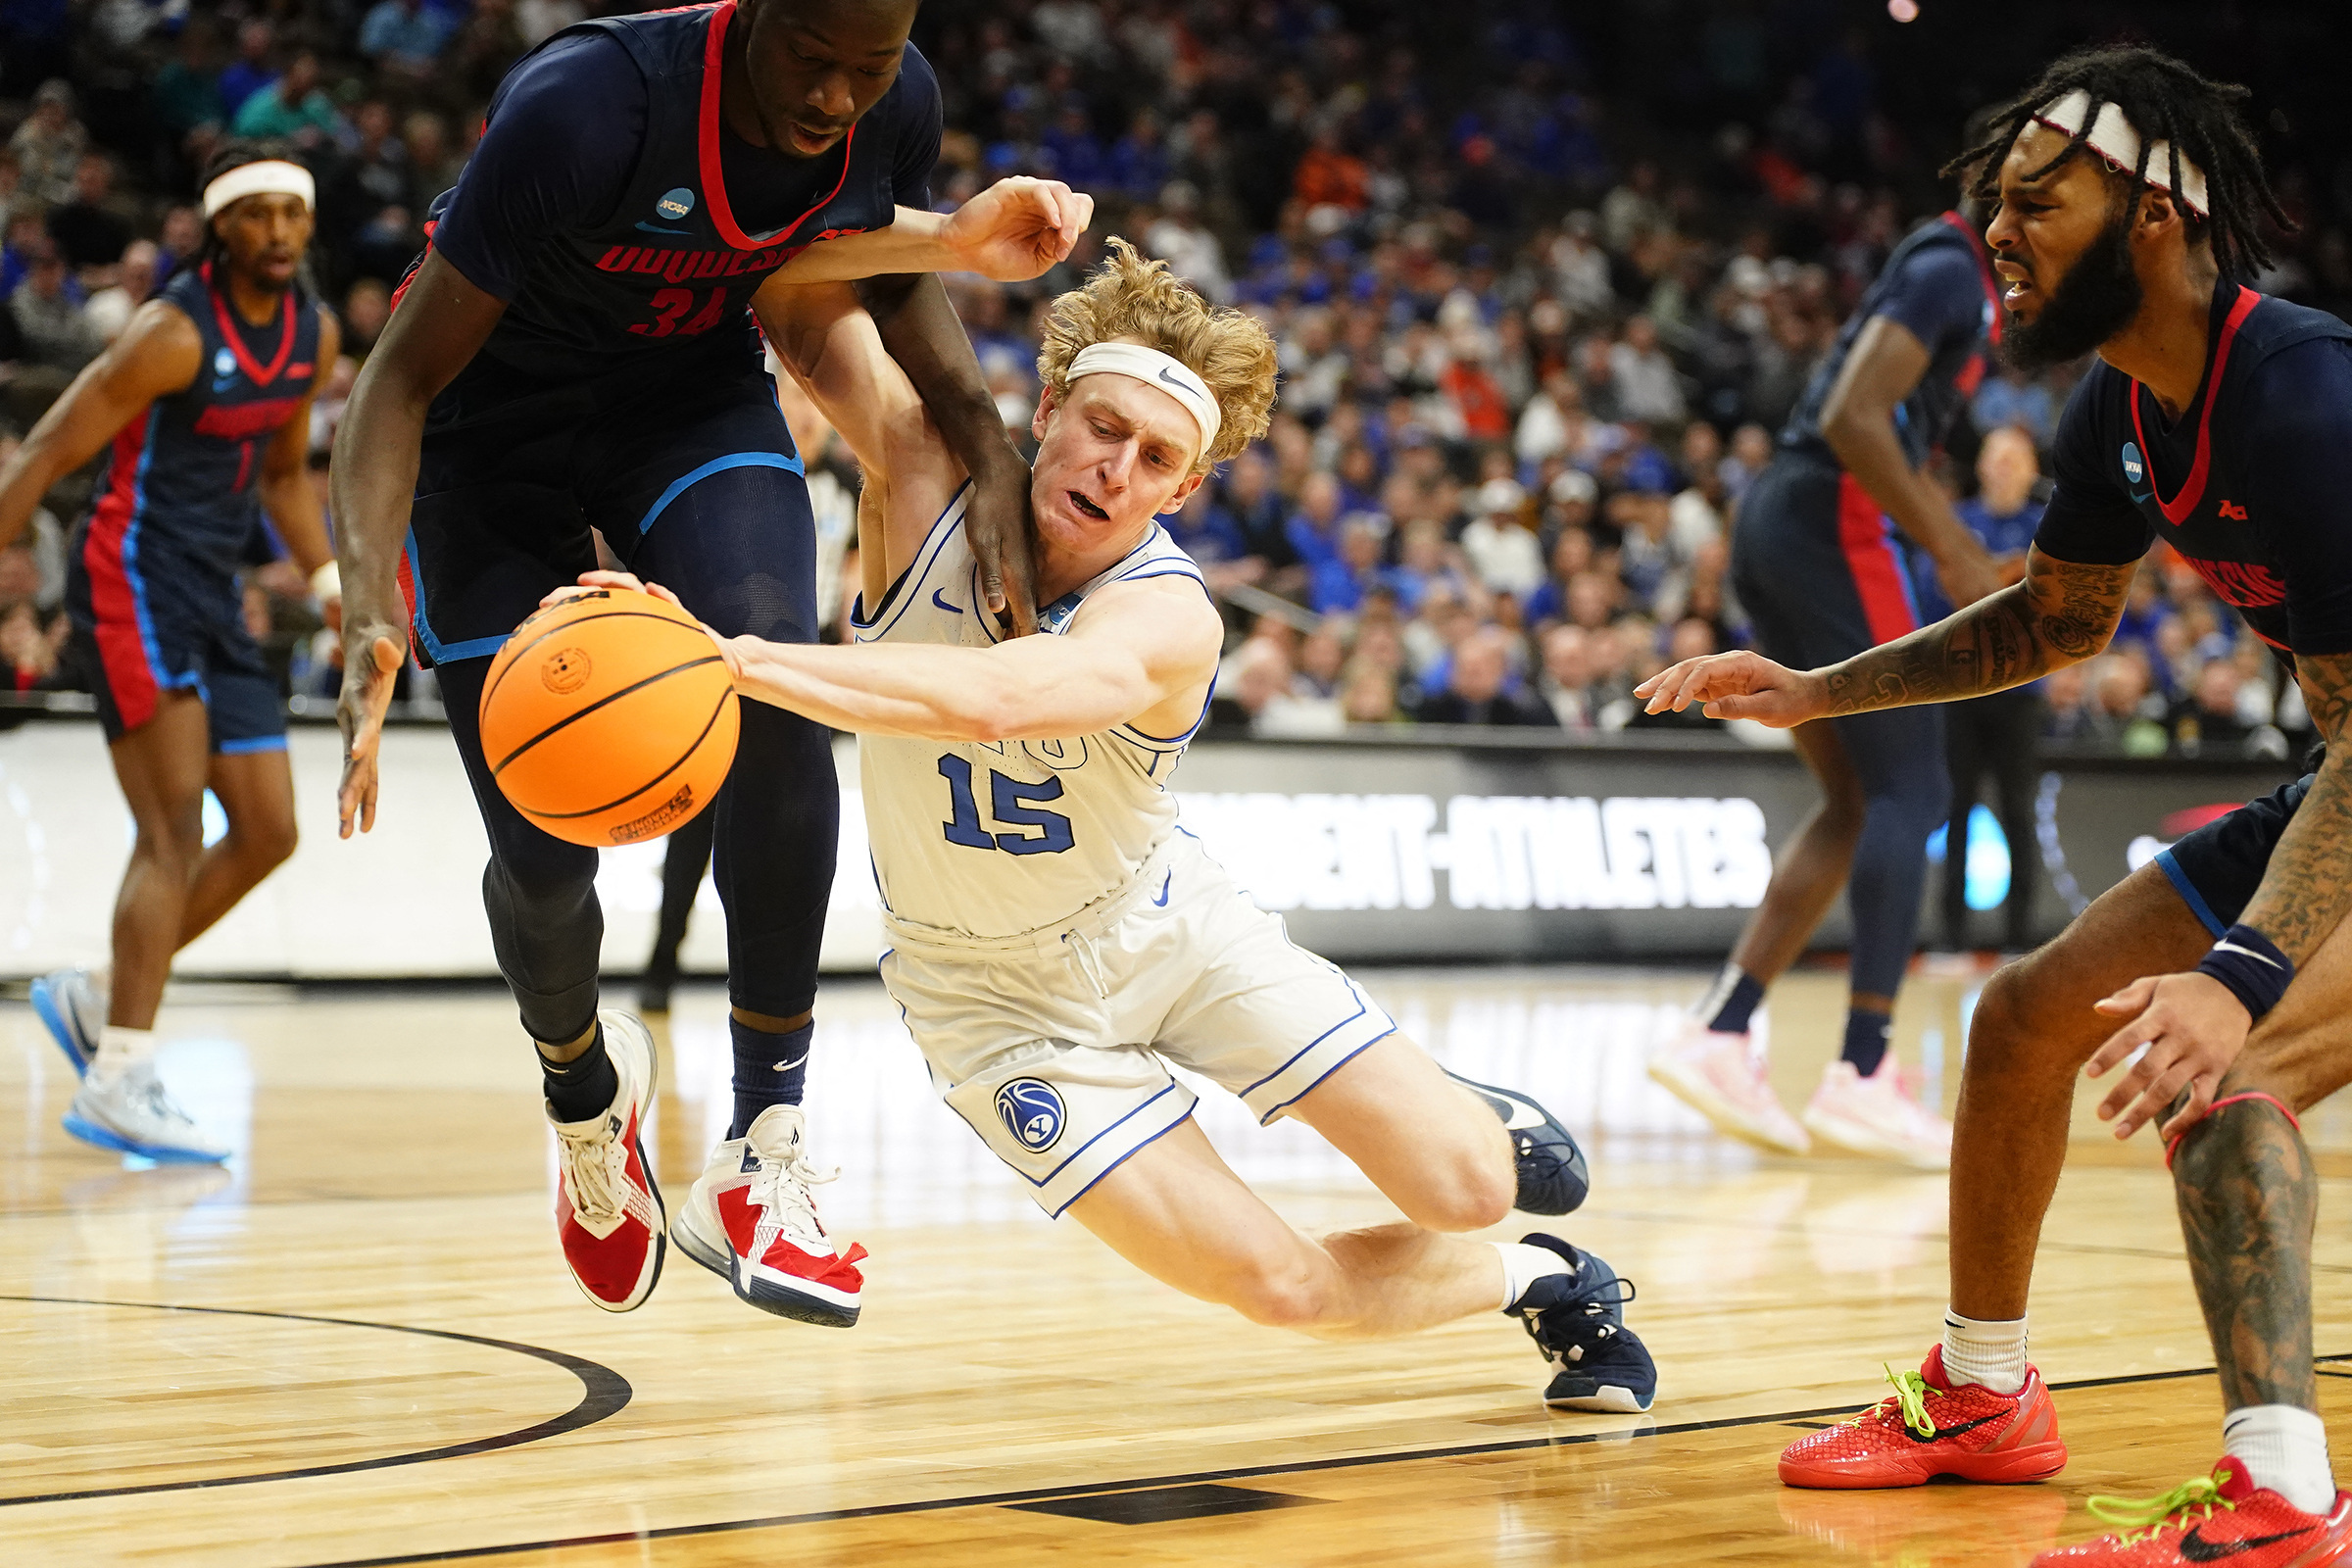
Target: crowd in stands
[[1537, 332]]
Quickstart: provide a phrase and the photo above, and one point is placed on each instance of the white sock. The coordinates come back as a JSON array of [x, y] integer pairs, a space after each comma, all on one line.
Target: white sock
[[120, 1049], [1522, 1266], [1986, 1351], [2283, 1449]]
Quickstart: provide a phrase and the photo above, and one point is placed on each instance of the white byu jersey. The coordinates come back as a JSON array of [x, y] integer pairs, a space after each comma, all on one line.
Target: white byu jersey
[[995, 838]]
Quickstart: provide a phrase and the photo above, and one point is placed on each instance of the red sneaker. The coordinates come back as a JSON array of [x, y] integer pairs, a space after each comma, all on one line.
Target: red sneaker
[[2221, 1517], [608, 1215], [1926, 1428], [751, 1220]]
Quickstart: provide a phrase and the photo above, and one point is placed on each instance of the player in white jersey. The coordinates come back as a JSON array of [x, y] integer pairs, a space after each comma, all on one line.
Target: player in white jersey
[[1058, 940]]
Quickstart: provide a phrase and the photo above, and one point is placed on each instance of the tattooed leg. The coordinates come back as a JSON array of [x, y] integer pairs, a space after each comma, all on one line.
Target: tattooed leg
[[2249, 1196]]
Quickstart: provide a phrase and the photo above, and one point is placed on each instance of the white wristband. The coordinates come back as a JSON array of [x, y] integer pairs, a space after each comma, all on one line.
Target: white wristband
[[327, 582]]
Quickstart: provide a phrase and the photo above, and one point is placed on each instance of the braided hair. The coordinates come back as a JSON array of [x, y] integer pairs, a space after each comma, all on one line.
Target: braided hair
[[2165, 101], [235, 152]]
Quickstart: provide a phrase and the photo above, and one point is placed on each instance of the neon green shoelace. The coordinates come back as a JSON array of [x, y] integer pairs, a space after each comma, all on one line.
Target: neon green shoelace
[[2144, 1519], [1910, 1398]]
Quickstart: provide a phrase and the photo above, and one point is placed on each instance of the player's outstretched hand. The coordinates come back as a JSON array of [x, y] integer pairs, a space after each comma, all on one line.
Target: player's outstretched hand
[[636, 585], [2193, 1026], [370, 660], [1019, 226], [1741, 685]]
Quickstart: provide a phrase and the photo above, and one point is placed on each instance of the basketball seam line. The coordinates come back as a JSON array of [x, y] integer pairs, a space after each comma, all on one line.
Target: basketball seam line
[[601, 615], [602, 702], [725, 697]]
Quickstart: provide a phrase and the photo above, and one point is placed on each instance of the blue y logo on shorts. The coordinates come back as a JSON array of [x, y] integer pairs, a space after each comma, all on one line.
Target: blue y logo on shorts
[[1031, 1110]]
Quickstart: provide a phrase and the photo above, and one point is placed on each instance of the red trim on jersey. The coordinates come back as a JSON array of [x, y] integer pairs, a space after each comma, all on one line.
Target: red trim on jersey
[[714, 185], [408, 598], [2176, 510], [1992, 284], [236, 339], [1870, 557], [122, 650]]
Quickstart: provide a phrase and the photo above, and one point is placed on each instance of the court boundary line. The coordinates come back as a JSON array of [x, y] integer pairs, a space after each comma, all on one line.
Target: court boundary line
[[1144, 1483], [603, 1393]]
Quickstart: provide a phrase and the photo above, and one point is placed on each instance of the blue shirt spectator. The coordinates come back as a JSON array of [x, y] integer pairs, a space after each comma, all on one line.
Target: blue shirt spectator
[[2003, 515]]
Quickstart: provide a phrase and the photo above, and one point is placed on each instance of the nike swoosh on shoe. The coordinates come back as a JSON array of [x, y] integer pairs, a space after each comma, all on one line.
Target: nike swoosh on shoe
[[2196, 1548]]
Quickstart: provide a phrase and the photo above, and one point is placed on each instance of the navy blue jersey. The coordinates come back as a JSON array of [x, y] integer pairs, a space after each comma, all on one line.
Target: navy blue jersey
[[2252, 483], [1939, 285], [179, 479], [621, 219]]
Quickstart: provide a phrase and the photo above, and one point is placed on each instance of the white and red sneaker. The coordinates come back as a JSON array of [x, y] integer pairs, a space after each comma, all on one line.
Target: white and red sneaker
[[1878, 1116], [1721, 1078], [2212, 1518], [608, 1215], [751, 1219]]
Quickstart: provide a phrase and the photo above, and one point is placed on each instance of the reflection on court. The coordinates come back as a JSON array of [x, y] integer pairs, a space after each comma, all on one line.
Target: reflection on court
[[394, 1175]]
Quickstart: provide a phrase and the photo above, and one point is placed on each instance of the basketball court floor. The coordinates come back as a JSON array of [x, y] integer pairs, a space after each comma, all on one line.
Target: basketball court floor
[[357, 1344]]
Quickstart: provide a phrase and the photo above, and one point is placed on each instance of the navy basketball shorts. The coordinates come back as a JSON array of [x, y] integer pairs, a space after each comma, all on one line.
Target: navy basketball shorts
[[2217, 869], [146, 620], [694, 482], [1817, 567]]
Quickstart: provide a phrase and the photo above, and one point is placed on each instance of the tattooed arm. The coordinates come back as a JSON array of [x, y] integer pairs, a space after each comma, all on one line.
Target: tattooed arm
[[2060, 615]]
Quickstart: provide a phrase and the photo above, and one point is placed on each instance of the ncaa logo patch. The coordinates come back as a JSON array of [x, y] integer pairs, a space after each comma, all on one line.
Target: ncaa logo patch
[[225, 363], [676, 204], [1031, 1110], [2133, 470]]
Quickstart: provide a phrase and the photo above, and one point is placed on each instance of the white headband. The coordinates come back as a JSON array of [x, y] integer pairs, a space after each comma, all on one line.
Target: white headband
[[2115, 139], [271, 177], [1163, 371]]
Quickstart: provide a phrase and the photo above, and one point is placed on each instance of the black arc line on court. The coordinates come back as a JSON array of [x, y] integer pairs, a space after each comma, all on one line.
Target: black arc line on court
[[1356, 1461], [602, 1392]]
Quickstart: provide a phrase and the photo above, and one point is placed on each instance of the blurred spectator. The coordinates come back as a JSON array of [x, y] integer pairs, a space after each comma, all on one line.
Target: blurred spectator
[[47, 309], [538, 20], [1645, 379], [252, 69], [404, 38], [366, 309], [1342, 581], [1477, 691], [1499, 544], [186, 92], [293, 108], [49, 144], [1567, 678], [90, 229], [109, 309], [1190, 250], [2009, 397]]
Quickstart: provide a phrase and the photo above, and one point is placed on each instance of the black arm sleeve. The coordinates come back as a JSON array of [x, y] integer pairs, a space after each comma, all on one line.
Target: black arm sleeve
[[2091, 519]]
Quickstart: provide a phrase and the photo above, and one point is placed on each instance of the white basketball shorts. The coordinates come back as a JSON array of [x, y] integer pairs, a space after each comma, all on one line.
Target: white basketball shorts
[[1053, 1044]]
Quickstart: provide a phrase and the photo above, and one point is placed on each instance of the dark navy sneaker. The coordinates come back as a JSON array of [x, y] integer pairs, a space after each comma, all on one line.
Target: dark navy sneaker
[[1578, 1321], [1553, 1178]]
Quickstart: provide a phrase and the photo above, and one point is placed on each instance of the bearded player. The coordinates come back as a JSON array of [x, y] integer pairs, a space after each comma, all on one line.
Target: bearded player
[[2221, 422], [573, 353], [1057, 941], [206, 400]]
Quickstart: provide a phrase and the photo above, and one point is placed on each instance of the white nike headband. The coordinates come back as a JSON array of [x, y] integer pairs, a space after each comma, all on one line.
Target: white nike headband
[[1163, 370], [271, 177], [2115, 139]]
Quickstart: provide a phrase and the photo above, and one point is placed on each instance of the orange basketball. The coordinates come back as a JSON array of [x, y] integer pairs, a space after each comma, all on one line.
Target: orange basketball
[[609, 718]]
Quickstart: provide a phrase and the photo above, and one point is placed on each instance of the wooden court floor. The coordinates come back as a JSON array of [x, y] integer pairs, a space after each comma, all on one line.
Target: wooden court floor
[[356, 1343]]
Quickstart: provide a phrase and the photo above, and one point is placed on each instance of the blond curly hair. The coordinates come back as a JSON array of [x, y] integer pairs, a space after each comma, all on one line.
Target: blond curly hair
[[1129, 297]]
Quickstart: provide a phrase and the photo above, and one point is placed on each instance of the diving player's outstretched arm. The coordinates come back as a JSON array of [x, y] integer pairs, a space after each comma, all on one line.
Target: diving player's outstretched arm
[[442, 320], [158, 354], [1138, 653], [2061, 614]]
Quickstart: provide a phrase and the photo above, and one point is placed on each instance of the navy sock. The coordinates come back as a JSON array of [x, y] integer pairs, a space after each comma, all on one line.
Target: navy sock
[[1866, 1040], [1733, 1001], [769, 1071], [582, 1087]]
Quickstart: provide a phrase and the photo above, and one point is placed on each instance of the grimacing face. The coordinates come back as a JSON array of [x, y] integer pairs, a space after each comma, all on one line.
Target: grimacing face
[[817, 65], [2064, 248], [1112, 454]]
